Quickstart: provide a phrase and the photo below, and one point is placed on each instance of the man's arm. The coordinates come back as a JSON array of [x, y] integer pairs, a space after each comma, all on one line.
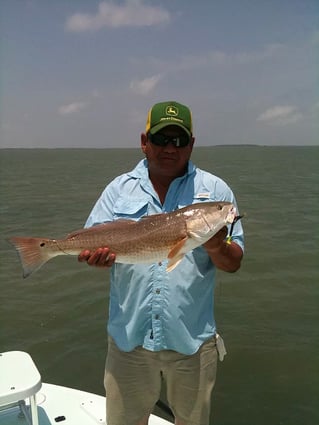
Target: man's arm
[[226, 256]]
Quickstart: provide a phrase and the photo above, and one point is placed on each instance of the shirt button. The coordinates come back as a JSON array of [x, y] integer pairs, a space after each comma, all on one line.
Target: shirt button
[[156, 316], [158, 291]]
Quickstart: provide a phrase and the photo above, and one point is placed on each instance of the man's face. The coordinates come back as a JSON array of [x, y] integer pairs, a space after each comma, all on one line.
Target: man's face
[[168, 160]]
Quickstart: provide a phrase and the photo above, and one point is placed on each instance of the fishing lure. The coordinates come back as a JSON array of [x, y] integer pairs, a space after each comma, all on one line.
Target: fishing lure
[[229, 236]]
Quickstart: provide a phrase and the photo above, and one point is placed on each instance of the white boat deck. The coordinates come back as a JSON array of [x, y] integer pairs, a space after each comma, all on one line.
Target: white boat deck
[[55, 404], [65, 406]]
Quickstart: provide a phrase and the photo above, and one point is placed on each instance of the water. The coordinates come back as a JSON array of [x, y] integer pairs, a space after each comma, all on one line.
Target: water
[[267, 312]]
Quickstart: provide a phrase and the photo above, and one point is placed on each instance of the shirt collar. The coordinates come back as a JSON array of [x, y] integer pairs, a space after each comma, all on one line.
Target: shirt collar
[[141, 170]]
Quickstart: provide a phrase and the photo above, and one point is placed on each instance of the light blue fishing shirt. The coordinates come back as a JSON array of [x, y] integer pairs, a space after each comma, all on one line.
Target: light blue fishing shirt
[[150, 307]]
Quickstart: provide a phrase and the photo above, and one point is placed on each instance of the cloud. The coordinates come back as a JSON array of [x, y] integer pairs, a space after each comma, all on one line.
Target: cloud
[[132, 14], [280, 115], [146, 86], [97, 94], [315, 38], [216, 59], [72, 108]]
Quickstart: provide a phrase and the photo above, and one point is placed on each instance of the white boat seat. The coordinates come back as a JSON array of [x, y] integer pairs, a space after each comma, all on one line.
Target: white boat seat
[[19, 380]]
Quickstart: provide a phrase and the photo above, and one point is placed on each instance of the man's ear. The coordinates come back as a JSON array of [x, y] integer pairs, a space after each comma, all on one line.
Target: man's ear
[[143, 141]]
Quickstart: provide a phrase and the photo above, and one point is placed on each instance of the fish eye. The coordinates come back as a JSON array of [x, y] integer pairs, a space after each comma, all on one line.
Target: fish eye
[[42, 244], [219, 207]]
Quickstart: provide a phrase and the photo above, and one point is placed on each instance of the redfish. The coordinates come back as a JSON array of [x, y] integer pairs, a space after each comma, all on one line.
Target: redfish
[[151, 239]]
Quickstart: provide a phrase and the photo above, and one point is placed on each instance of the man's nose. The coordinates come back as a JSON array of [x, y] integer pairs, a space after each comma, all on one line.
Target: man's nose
[[170, 147]]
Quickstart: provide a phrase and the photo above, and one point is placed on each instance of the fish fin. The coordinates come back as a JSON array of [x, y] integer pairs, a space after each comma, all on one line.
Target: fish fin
[[113, 225], [151, 217], [175, 255], [31, 253], [176, 248], [173, 262]]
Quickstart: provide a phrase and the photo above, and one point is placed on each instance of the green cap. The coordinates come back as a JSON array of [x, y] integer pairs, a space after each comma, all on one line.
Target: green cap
[[169, 113]]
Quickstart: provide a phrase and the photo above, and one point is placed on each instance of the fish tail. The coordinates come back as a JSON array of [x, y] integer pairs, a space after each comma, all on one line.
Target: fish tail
[[33, 253]]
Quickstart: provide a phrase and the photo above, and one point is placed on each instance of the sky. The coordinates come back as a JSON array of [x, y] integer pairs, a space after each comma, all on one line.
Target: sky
[[83, 73]]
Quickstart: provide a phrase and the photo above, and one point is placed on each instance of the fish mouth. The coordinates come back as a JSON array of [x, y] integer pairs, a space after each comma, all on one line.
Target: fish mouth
[[231, 216]]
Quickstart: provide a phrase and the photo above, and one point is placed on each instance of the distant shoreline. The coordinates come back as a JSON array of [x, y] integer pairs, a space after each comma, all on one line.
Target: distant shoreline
[[134, 148]]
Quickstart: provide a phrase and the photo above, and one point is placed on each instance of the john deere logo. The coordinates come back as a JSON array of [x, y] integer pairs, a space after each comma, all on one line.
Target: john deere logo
[[172, 111]]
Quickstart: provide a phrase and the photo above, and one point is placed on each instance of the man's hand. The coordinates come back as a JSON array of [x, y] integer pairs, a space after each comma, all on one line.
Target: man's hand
[[226, 256], [102, 257], [217, 240]]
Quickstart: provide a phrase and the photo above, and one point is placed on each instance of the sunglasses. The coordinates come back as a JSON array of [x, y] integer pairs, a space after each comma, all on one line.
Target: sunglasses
[[179, 141]]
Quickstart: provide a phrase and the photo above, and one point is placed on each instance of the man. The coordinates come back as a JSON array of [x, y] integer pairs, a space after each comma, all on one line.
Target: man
[[161, 325]]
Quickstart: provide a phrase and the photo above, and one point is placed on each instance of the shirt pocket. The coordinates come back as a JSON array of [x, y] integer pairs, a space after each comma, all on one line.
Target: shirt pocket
[[130, 208]]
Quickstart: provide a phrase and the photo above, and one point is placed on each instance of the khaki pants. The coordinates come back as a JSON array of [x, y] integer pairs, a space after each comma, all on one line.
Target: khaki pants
[[133, 383]]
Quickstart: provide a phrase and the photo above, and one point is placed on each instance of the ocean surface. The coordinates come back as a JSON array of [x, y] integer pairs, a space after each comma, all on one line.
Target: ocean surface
[[267, 312]]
